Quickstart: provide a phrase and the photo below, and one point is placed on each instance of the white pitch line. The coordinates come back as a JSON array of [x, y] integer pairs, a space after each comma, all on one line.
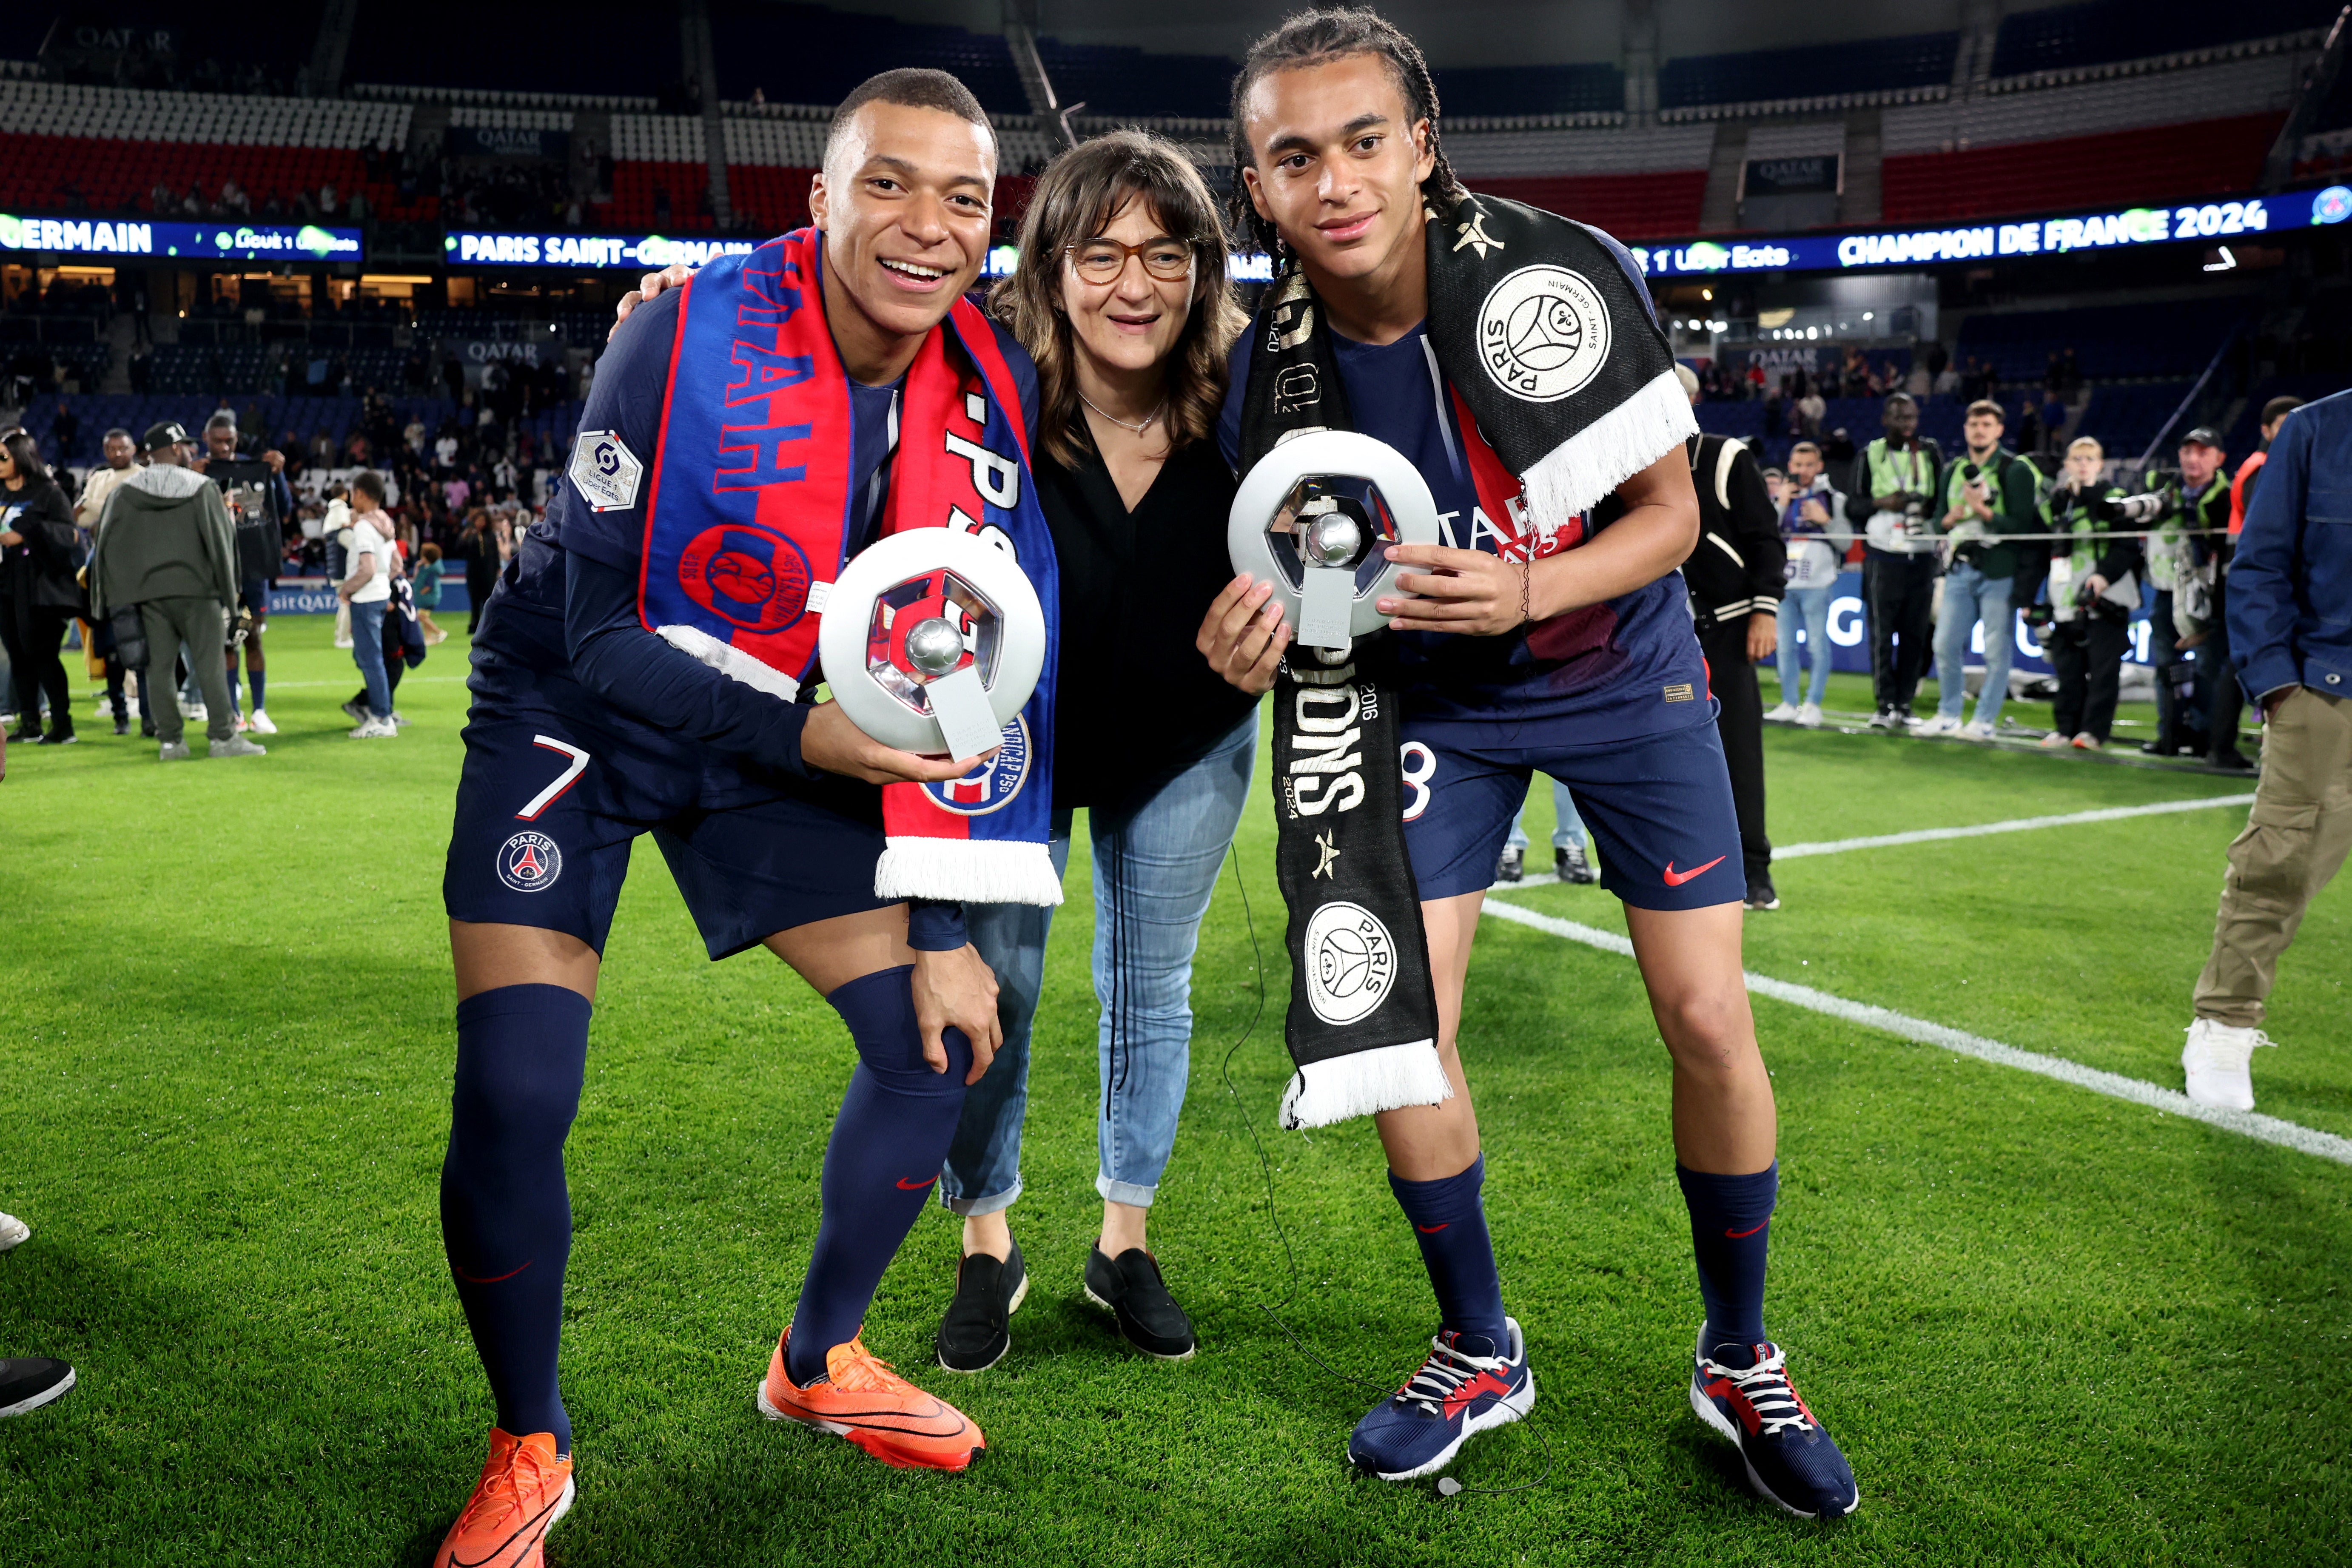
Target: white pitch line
[[2251, 1124], [2015, 825]]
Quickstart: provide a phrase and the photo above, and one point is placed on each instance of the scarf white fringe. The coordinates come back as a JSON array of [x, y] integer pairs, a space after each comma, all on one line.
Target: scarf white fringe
[[730, 660], [1574, 476], [970, 870], [1362, 1083]]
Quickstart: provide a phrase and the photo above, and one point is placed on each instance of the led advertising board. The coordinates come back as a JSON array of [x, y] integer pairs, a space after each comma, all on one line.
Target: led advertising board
[[2121, 228], [214, 241], [632, 251]]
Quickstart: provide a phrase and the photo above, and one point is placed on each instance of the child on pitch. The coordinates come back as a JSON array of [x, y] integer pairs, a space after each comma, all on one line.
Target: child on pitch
[[1536, 642], [746, 435]]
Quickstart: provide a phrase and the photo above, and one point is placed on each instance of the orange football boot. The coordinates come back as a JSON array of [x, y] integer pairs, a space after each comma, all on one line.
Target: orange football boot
[[860, 1398], [524, 1489]]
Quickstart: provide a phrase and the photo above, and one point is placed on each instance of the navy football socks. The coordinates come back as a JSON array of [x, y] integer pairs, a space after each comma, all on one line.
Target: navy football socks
[[1731, 1220], [888, 1143], [1450, 1223], [506, 1214]]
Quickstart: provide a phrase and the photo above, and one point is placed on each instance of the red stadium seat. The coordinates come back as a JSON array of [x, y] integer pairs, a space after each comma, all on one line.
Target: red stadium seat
[[1629, 207], [2203, 158]]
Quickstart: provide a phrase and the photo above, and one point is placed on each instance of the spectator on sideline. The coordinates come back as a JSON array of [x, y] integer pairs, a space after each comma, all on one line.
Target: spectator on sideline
[[121, 454], [484, 552], [1570, 860], [27, 1383], [261, 501], [1896, 474], [2293, 578], [335, 534], [166, 545], [1988, 492], [2094, 589], [1734, 575], [1816, 534], [428, 577], [39, 595], [2241, 488], [368, 590]]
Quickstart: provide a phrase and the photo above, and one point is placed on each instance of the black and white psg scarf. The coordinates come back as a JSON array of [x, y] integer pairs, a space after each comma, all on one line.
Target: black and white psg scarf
[[1565, 386]]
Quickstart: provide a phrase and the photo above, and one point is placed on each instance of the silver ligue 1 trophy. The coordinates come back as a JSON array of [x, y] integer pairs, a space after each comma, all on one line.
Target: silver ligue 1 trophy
[[1313, 517], [931, 641]]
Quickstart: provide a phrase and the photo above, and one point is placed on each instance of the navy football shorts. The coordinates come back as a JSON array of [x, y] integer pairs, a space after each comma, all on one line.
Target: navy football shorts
[[1659, 808], [549, 803]]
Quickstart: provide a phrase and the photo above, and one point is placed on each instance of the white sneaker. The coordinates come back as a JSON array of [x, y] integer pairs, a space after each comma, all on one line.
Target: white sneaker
[[12, 1231], [375, 729], [2086, 742], [2216, 1062], [397, 722], [171, 751], [342, 642], [2056, 741], [1976, 730], [260, 723], [238, 746], [1810, 715], [1938, 725], [1782, 713], [193, 713]]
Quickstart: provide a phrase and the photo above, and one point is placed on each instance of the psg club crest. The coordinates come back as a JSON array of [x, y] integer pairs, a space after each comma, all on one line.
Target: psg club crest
[[1543, 333], [1350, 963], [530, 862], [747, 575], [992, 784]]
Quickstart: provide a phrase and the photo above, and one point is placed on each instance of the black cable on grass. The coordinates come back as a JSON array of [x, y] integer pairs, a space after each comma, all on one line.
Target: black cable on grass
[[1447, 1487]]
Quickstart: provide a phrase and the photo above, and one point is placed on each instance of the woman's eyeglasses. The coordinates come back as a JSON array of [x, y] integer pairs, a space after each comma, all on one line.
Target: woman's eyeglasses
[[1102, 261]]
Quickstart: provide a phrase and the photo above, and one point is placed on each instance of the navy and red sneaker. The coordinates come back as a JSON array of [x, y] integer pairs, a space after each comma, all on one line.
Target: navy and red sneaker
[[1465, 1386], [1791, 1460]]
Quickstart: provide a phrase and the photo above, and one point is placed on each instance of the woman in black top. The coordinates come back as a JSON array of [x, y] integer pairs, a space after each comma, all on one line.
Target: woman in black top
[[1122, 298], [38, 593]]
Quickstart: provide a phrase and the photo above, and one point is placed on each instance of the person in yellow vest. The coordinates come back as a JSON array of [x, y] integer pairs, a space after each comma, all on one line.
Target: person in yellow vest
[[1896, 473]]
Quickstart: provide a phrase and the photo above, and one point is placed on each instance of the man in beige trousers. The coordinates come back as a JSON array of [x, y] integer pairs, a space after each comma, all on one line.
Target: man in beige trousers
[[2289, 616]]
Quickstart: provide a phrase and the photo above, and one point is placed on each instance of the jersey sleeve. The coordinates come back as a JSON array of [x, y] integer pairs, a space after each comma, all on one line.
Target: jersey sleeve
[[625, 398]]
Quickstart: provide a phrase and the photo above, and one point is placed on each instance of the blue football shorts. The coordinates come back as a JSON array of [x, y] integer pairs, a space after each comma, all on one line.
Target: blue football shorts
[[1659, 808], [555, 790]]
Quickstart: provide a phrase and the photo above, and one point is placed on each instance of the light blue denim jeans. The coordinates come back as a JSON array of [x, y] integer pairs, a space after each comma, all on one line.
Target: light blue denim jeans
[[1569, 827], [1969, 596], [1808, 608], [1155, 868], [367, 652]]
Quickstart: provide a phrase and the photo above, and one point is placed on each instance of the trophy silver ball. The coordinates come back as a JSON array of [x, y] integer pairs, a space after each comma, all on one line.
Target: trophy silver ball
[[934, 647], [1333, 539]]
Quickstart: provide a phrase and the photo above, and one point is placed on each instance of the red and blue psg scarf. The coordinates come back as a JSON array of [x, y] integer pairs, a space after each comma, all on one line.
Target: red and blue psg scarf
[[750, 519]]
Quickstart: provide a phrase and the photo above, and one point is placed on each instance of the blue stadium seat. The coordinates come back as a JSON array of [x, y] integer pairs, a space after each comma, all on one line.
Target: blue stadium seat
[[2063, 38], [1864, 65]]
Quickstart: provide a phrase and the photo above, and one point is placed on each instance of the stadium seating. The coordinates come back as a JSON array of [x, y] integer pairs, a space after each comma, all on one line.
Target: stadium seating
[[2066, 38], [2110, 341], [2165, 162], [1637, 185], [2246, 433], [2124, 420], [1860, 66], [1583, 88]]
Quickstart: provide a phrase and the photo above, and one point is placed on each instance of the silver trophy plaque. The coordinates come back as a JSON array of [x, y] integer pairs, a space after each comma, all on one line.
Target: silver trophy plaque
[[1314, 516]]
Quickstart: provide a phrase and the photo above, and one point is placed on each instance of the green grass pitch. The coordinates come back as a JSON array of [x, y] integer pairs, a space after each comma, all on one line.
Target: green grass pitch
[[2046, 1326]]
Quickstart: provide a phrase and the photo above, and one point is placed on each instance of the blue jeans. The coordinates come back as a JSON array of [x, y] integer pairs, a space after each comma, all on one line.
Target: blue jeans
[[367, 652], [1155, 867], [1567, 830], [1810, 606], [1969, 596]]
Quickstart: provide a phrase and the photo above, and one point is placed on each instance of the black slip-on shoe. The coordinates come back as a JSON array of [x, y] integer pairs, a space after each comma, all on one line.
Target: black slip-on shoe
[[27, 1383], [972, 1336], [1133, 1292]]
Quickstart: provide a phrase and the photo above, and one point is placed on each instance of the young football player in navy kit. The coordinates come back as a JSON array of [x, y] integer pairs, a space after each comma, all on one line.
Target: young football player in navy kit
[[1499, 677], [587, 730]]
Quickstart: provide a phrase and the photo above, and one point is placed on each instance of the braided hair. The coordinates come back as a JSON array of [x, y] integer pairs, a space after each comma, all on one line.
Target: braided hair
[[1319, 36]]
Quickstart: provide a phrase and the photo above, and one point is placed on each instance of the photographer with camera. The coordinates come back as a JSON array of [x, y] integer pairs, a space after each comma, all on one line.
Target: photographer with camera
[[1990, 492], [1814, 532], [1897, 473], [2094, 588], [2196, 700]]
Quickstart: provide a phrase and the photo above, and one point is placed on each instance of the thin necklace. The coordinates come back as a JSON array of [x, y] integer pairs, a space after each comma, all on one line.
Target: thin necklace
[[1122, 424]]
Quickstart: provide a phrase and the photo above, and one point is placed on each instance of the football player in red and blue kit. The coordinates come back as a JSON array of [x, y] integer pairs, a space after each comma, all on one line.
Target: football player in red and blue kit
[[1521, 645], [588, 730]]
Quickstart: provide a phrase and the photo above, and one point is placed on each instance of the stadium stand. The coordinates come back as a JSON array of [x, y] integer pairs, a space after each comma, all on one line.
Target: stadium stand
[[1862, 66], [2124, 420], [1582, 88], [1637, 185], [107, 149], [2068, 37], [2111, 343]]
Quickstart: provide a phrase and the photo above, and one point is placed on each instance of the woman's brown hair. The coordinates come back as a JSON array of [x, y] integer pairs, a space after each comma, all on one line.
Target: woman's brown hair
[[1076, 200]]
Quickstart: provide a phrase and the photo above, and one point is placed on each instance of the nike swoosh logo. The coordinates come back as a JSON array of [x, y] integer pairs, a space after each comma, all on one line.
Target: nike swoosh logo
[[493, 1280], [1677, 878], [1744, 1235], [1431, 1229], [907, 1187]]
